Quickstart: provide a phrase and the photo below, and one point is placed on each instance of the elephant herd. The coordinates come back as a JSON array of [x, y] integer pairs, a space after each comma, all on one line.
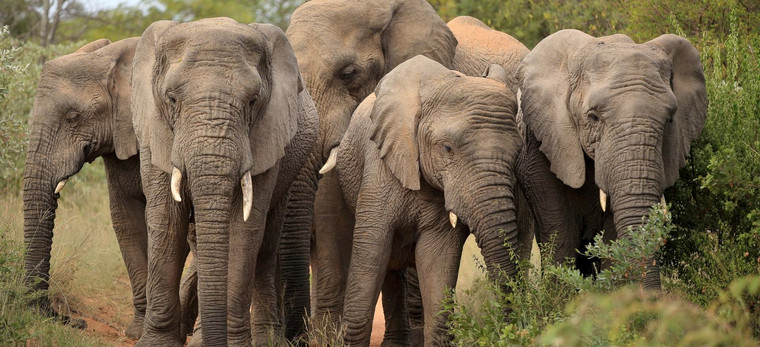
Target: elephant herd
[[308, 171]]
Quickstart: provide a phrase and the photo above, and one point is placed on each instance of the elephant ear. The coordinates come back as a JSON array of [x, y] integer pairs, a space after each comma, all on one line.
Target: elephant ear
[[278, 123], [94, 45], [497, 73], [122, 53], [415, 28], [545, 89], [688, 83], [396, 115], [152, 130]]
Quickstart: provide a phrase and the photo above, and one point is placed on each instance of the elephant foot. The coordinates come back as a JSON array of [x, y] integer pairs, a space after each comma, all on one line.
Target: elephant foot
[[196, 340], [149, 341], [46, 309], [134, 330]]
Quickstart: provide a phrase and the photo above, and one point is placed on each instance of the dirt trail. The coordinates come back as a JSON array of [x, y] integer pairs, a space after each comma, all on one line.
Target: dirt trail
[[378, 324]]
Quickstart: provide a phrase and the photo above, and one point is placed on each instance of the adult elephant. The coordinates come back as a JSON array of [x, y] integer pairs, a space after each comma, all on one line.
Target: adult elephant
[[219, 112], [609, 123], [82, 112], [431, 147], [344, 48]]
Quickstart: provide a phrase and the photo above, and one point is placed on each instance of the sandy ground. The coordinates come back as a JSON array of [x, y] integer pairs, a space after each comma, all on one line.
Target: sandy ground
[[378, 324]]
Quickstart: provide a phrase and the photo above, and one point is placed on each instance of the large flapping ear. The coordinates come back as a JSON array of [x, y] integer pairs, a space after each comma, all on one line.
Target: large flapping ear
[[151, 129], [278, 123], [545, 86], [688, 83], [122, 53], [415, 28], [396, 115], [94, 45]]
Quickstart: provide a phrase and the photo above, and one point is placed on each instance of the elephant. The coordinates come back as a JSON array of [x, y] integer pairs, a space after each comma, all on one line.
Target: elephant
[[343, 49], [220, 112], [608, 125], [82, 112], [430, 148]]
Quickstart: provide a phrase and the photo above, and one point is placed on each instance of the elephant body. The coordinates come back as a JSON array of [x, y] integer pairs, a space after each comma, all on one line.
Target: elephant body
[[429, 148], [223, 122], [608, 124], [82, 112], [343, 49]]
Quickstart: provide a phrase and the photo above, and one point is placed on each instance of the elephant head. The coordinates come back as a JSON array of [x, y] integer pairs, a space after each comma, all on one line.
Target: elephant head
[[345, 47], [457, 134], [626, 112], [81, 112], [214, 103]]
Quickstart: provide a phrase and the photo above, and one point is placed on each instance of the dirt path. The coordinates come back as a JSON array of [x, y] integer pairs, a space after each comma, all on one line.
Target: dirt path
[[378, 324]]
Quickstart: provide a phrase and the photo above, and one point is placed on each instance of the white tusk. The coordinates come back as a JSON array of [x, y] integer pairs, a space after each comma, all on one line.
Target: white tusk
[[453, 219], [247, 185], [664, 204], [176, 183], [60, 185], [603, 200], [332, 160]]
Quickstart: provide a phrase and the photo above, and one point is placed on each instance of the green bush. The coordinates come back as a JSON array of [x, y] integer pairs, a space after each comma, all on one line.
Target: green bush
[[538, 295]]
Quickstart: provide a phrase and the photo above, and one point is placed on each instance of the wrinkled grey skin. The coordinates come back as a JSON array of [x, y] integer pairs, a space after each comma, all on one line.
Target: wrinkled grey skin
[[215, 99], [343, 49], [430, 141], [478, 47], [605, 113], [81, 113]]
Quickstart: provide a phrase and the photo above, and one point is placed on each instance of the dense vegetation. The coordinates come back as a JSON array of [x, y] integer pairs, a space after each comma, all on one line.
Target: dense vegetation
[[711, 251]]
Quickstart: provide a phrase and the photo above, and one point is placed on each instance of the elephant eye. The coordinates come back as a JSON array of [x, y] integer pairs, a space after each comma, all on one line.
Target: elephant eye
[[592, 116], [348, 74], [447, 148], [73, 116], [252, 103], [172, 99]]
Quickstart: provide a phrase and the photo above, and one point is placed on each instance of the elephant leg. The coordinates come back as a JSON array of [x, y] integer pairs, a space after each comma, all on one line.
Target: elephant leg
[[188, 298], [414, 305], [127, 203], [267, 324], [369, 260], [246, 241], [437, 255], [546, 199], [395, 309], [167, 228], [331, 251]]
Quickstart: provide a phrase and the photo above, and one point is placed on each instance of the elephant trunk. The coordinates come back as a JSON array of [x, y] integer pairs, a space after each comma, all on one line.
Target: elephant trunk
[[212, 199], [492, 220], [40, 204], [638, 186]]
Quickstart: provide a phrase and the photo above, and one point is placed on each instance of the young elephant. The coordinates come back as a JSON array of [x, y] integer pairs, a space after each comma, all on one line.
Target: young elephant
[[82, 112], [609, 123], [429, 148], [223, 126]]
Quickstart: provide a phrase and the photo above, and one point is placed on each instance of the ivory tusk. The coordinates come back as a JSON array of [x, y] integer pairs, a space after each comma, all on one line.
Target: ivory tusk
[[603, 200], [332, 160], [664, 204], [247, 186], [60, 185], [176, 183], [453, 219]]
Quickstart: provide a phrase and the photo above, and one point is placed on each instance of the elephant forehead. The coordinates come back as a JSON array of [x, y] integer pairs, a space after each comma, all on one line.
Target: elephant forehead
[[619, 59], [211, 37]]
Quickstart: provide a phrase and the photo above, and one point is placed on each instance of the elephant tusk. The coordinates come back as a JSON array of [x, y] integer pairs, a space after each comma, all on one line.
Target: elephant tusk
[[332, 160], [60, 185], [176, 183], [453, 219], [247, 186], [603, 200], [664, 204]]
